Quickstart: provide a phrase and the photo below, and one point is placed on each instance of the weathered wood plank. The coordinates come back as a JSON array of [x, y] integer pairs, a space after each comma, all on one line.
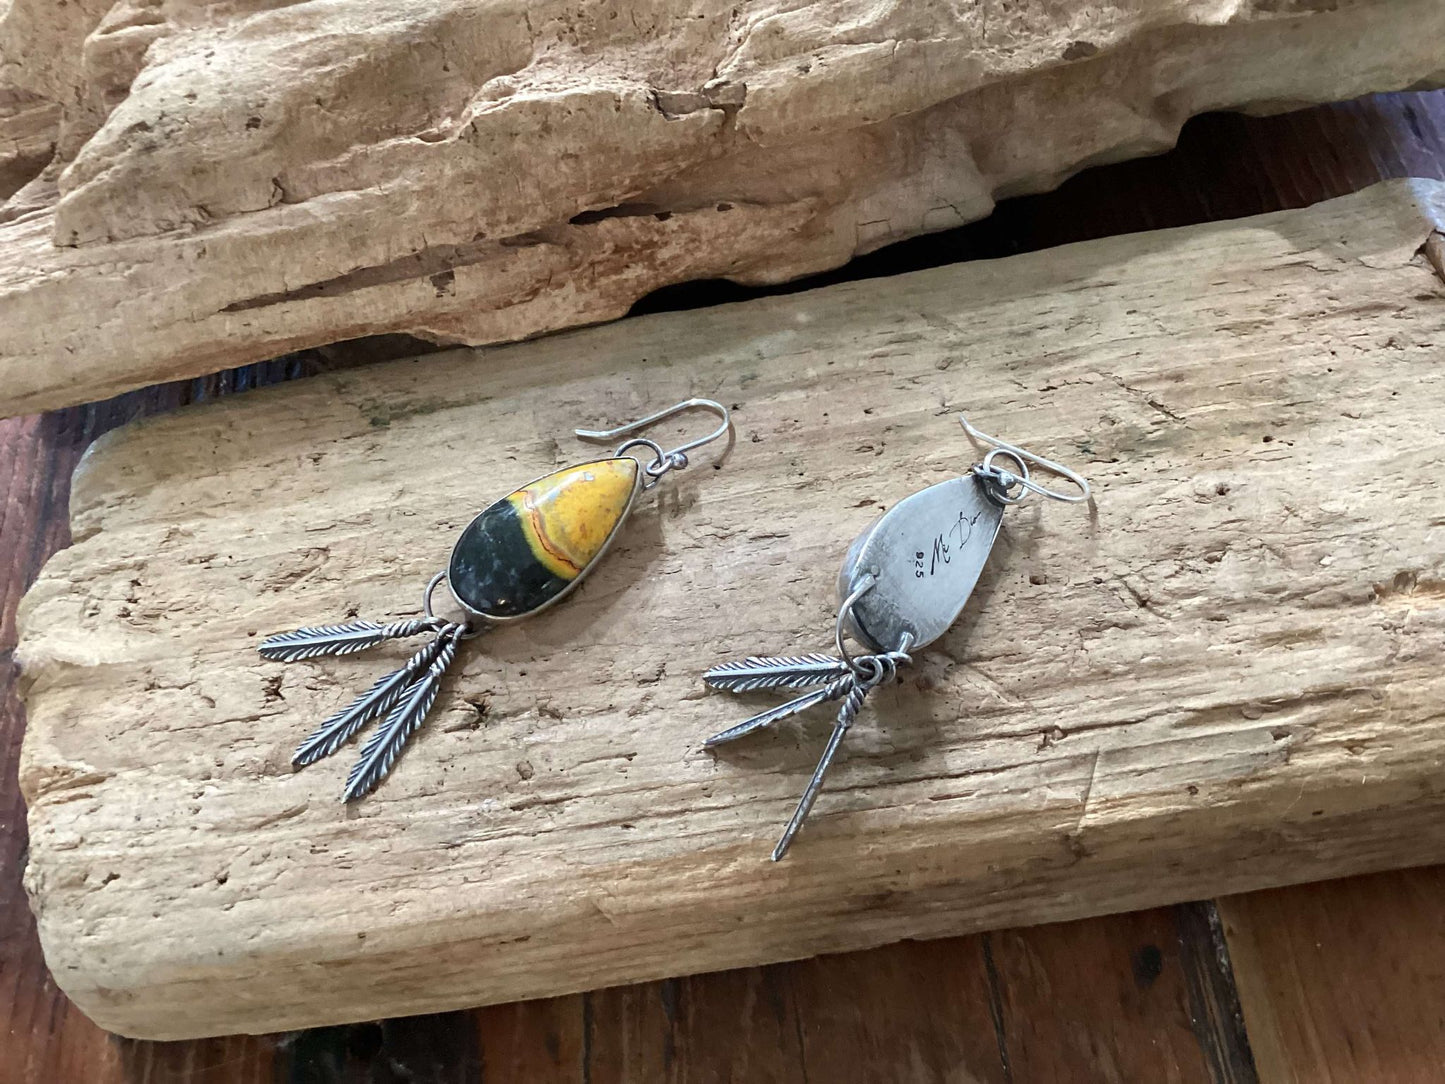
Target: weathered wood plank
[[43, 1037], [1226, 166], [1217, 690], [482, 173]]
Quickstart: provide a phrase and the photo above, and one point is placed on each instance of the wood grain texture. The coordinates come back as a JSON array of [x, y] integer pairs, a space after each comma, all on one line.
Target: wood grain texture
[[851, 1017], [1225, 166], [477, 172], [1087, 1000], [44, 1039], [1341, 982], [1222, 664]]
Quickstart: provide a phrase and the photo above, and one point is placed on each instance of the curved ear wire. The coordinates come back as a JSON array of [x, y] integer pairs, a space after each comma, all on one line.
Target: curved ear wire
[[1024, 457], [631, 428]]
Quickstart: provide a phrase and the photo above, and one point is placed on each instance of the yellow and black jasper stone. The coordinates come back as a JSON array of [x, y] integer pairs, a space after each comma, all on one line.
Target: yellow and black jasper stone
[[530, 547]]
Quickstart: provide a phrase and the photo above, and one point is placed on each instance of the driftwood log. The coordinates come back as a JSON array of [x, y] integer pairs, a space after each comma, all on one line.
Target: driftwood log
[[1226, 677], [231, 182]]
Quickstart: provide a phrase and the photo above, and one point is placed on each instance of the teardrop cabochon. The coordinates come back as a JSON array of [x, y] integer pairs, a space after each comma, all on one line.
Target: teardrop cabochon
[[528, 550], [925, 554]]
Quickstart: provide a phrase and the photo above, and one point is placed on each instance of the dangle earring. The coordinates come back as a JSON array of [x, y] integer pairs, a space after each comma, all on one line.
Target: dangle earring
[[904, 582], [516, 558]]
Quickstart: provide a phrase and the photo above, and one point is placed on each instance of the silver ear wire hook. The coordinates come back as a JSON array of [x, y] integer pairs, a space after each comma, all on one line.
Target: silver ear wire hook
[[674, 459], [497, 573], [1005, 480]]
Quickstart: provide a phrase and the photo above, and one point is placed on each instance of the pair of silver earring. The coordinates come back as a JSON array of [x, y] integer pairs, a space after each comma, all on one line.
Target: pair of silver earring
[[904, 581]]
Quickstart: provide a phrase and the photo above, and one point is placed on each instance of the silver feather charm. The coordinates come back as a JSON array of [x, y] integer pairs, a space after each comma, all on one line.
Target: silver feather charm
[[380, 698], [848, 711], [308, 643], [776, 672], [385, 745], [837, 678], [404, 696], [493, 575], [834, 689]]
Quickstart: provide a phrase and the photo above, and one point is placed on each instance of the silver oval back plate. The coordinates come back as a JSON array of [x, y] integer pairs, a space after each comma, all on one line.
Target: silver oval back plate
[[925, 555], [903, 583]]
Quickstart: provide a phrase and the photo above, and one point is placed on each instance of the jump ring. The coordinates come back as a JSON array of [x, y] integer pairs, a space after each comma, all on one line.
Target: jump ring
[[654, 470], [470, 628], [431, 585], [875, 670], [659, 457], [845, 611], [1004, 480]]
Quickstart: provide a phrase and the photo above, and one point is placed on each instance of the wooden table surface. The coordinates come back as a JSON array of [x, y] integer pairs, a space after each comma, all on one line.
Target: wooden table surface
[[1343, 981]]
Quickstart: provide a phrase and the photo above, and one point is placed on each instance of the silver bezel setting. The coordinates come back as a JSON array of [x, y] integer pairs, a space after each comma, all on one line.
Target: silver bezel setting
[[560, 595]]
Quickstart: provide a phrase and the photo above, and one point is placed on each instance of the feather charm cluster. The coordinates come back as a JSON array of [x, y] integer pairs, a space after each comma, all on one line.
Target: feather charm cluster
[[828, 678], [404, 696]]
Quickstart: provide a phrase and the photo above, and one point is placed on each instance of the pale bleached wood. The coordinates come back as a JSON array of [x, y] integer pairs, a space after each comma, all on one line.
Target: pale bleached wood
[[1227, 677], [235, 181]]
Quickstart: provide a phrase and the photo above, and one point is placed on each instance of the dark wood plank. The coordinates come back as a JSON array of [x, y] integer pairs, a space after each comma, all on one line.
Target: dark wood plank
[[1343, 981], [918, 1011], [1338, 975], [1107, 999], [537, 1040], [1214, 1009]]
